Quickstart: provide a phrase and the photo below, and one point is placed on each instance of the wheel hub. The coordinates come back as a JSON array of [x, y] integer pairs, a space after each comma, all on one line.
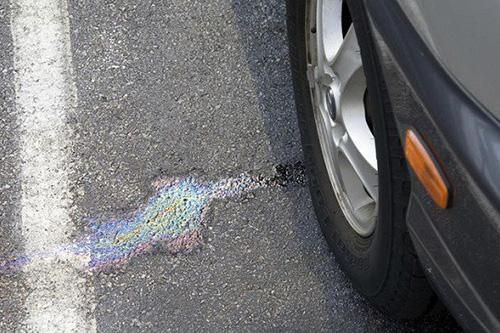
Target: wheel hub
[[331, 104]]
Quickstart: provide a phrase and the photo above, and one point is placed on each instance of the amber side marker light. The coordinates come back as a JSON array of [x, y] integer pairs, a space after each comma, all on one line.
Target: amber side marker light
[[426, 170]]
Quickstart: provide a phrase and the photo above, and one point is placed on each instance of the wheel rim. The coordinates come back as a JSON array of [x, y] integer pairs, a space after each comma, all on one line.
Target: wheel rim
[[338, 90]]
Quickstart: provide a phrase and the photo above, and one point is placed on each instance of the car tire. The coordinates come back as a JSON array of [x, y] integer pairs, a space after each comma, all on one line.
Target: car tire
[[382, 266]]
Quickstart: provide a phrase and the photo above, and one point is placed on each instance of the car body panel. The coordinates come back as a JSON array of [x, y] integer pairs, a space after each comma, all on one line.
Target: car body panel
[[463, 35], [459, 246]]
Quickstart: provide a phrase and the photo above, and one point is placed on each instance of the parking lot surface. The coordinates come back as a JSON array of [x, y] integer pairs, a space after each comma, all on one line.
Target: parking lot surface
[[142, 94]]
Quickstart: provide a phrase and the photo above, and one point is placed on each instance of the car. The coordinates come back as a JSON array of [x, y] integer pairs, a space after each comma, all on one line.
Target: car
[[398, 104]]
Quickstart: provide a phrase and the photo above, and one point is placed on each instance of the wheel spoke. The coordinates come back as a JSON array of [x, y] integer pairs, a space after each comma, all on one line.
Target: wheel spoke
[[329, 28], [366, 173], [347, 62]]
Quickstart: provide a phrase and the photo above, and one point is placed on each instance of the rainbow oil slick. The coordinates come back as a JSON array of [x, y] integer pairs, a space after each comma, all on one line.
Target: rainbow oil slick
[[173, 218]]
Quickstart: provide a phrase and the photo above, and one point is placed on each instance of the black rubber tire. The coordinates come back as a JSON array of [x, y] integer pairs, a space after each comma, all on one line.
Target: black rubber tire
[[383, 267]]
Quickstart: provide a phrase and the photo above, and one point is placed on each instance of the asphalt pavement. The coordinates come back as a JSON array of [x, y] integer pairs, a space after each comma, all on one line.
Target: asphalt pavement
[[162, 89]]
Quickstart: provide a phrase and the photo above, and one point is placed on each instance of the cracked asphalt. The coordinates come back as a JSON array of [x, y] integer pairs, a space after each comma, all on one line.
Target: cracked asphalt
[[176, 88]]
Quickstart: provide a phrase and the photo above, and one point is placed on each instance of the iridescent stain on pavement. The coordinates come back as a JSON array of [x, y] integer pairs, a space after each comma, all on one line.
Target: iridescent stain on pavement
[[172, 218]]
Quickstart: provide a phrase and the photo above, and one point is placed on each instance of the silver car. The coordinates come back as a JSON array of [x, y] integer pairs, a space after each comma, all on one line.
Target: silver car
[[399, 110]]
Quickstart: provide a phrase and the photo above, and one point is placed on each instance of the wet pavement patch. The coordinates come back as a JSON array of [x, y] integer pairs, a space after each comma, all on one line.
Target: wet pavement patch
[[288, 174]]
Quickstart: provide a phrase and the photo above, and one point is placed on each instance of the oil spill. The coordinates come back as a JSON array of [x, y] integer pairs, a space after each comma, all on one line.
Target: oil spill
[[172, 218]]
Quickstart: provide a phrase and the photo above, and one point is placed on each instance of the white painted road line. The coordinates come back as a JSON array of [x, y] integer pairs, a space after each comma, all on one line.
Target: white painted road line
[[45, 94]]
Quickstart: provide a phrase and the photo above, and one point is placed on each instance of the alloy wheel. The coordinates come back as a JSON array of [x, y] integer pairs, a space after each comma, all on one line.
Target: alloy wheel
[[338, 91]]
